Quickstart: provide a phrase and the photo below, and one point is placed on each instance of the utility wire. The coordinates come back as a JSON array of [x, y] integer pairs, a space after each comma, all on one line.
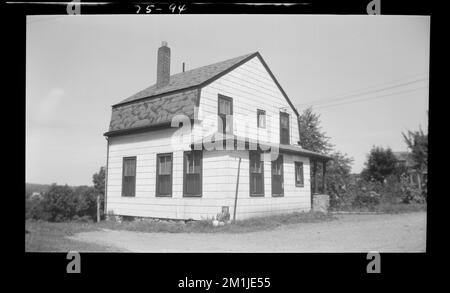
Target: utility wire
[[369, 98], [342, 97], [326, 101]]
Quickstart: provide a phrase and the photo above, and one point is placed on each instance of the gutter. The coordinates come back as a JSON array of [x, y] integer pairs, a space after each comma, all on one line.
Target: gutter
[[106, 177]]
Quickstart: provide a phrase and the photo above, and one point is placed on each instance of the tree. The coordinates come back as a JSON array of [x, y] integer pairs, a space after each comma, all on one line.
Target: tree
[[99, 186], [380, 164], [311, 136], [99, 181], [417, 142], [59, 203], [338, 176]]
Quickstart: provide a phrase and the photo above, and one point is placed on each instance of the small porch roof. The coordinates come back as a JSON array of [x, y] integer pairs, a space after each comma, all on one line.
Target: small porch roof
[[283, 148]]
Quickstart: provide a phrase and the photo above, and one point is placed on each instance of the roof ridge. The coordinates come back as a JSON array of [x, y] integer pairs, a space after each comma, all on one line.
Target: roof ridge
[[190, 78], [212, 64]]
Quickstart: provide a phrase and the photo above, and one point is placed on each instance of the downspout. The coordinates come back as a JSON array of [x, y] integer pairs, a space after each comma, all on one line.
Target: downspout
[[106, 175], [237, 189]]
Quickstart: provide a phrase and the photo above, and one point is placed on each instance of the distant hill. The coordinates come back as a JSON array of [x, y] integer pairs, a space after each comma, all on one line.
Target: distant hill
[[41, 188], [34, 187]]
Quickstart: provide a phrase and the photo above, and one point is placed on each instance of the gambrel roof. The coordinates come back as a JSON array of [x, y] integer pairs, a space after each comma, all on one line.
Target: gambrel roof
[[154, 107]]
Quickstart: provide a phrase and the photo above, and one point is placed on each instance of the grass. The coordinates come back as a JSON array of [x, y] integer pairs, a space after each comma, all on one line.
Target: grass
[[401, 208], [204, 226], [387, 208], [51, 237]]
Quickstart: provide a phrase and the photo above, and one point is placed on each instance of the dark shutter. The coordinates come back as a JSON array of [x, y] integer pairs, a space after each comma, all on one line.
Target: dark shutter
[[192, 173], [277, 176], [256, 174], [164, 169], [129, 176]]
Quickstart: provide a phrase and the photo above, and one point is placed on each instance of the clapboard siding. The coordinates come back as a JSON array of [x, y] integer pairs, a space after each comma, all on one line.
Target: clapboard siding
[[217, 176], [295, 198], [219, 184], [251, 88]]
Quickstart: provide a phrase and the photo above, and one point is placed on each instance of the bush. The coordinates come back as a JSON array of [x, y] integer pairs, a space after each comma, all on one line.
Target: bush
[[370, 195], [366, 201], [63, 203], [411, 193]]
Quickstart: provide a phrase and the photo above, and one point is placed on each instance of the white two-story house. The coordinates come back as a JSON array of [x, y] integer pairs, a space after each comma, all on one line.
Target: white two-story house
[[222, 137]]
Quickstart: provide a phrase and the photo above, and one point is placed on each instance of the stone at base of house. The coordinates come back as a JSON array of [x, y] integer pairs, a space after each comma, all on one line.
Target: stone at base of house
[[321, 203]]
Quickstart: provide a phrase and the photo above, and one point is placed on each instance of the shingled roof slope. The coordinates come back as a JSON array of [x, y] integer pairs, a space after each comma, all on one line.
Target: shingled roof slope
[[188, 78], [156, 111]]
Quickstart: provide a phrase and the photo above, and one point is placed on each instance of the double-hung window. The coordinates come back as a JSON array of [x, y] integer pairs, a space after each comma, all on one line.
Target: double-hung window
[[192, 166], [225, 113], [284, 128], [299, 174], [261, 118], [129, 176], [277, 176], [256, 174], [164, 174]]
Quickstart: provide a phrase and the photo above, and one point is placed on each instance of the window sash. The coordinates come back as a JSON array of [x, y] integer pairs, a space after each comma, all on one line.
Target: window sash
[[284, 128], [164, 185], [192, 173], [256, 169], [277, 177], [129, 176], [256, 183], [164, 174], [225, 114], [192, 163], [224, 106], [129, 166], [284, 121], [261, 119], [299, 178], [165, 165], [256, 165]]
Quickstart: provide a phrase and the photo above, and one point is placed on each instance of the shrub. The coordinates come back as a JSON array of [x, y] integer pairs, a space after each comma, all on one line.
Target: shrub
[[366, 201], [59, 203], [411, 193], [62, 203], [34, 209]]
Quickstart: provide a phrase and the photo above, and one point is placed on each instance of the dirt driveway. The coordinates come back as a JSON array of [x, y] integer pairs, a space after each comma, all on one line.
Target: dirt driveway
[[350, 233]]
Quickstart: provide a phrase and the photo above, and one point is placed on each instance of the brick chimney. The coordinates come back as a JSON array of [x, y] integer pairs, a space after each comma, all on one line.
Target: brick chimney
[[163, 66]]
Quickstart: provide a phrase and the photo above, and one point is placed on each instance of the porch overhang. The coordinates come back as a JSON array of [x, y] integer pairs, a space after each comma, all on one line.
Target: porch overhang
[[251, 144]]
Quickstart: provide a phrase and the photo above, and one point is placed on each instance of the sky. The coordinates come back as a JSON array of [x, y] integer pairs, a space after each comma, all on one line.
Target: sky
[[367, 76]]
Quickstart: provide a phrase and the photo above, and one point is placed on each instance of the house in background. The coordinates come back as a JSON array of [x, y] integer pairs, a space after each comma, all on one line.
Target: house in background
[[160, 159]]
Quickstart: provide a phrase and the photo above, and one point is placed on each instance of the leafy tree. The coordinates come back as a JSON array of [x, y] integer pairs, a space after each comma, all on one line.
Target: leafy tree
[[380, 164], [99, 181], [313, 138], [99, 187], [311, 135], [417, 142], [59, 203]]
